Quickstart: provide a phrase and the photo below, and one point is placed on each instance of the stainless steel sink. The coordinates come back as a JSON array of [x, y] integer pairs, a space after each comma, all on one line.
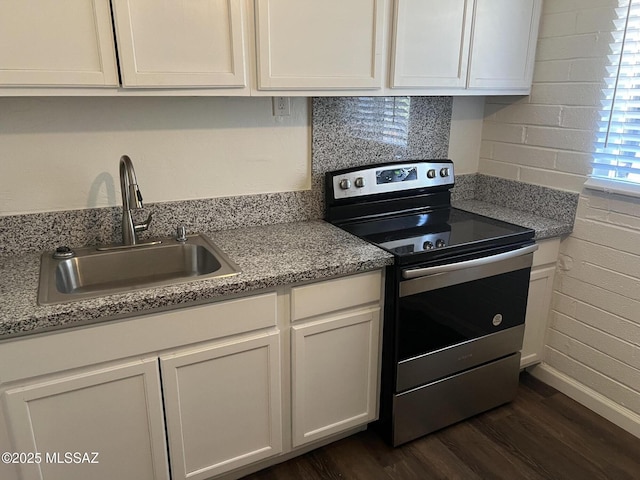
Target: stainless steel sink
[[93, 272]]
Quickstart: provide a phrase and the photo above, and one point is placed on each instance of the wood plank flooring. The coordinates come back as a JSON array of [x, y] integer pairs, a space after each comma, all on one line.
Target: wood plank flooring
[[542, 434]]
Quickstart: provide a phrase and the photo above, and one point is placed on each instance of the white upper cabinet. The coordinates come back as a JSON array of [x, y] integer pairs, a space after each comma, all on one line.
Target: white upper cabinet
[[268, 47], [66, 43], [463, 46], [505, 33], [430, 43], [199, 43], [311, 44]]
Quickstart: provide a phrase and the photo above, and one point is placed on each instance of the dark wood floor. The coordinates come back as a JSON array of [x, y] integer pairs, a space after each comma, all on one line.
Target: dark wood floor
[[542, 434]]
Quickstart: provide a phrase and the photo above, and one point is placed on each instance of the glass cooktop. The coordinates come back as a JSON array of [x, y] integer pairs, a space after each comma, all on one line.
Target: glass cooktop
[[447, 230]]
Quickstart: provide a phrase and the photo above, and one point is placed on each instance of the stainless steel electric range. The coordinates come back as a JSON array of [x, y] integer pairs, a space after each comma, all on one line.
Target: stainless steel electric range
[[455, 299]]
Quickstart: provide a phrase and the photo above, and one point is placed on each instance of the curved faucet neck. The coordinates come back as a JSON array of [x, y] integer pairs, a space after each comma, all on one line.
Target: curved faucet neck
[[129, 184], [131, 198]]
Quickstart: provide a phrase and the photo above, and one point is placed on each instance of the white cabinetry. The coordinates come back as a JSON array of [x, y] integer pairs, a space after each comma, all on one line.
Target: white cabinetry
[[268, 47], [111, 416], [195, 393], [487, 46], [539, 301], [222, 404], [335, 356], [181, 44], [221, 399], [431, 43], [329, 44], [504, 44], [66, 43]]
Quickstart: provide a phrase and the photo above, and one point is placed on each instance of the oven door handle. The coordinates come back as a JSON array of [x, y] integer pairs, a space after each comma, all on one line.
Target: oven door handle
[[477, 262]]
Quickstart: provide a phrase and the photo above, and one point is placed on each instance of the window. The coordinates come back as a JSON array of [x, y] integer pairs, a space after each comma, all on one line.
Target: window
[[616, 158]]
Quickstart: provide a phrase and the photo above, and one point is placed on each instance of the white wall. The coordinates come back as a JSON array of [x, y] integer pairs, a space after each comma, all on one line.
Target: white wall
[[62, 153], [466, 133], [593, 340]]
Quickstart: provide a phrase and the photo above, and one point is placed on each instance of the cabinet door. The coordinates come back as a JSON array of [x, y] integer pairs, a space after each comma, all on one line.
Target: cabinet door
[[66, 43], [431, 43], [115, 412], [334, 374], [504, 40], [538, 303], [311, 44], [181, 44], [222, 406]]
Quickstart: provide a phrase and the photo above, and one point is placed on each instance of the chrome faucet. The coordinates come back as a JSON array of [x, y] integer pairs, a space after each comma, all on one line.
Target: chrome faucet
[[131, 199]]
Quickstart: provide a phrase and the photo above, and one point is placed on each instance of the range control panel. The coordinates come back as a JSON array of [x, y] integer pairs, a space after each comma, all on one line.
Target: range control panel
[[420, 243], [394, 177]]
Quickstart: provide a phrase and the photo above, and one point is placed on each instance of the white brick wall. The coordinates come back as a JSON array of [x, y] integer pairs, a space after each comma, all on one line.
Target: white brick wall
[[593, 339]]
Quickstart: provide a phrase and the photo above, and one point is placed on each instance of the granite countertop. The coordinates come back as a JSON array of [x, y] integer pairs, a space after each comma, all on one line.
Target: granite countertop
[[268, 256], [543, 226]]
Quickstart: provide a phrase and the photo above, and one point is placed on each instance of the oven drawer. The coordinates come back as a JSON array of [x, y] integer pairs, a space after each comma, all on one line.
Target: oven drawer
[[447, 401], [457, 358]]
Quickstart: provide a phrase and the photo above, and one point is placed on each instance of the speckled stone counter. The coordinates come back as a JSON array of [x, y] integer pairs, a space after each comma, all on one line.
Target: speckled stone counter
[[550, 212], [268, 256], [544, 227]]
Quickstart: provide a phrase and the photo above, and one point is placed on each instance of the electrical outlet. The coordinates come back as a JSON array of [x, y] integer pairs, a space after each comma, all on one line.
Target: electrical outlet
[[281, 106]]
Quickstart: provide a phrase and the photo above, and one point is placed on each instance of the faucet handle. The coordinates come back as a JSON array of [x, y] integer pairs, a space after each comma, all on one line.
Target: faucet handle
[[181, 233], [139, 227]]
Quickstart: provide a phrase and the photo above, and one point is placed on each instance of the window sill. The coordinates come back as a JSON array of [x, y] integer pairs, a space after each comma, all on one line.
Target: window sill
[[613, 186]]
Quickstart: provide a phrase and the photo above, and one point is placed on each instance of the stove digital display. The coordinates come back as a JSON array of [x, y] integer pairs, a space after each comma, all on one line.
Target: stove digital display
[[396, 175]]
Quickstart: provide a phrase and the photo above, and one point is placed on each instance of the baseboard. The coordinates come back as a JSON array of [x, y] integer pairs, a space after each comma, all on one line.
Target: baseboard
[[615, 413]]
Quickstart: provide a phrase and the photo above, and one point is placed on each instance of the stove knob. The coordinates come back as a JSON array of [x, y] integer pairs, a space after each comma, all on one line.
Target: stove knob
[[431, 173], [444, 172], [359, 182], [427, 246], [345, 184], [440, 243]]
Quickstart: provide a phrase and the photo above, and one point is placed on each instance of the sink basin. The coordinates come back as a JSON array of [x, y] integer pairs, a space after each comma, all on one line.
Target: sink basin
[[94, 272]]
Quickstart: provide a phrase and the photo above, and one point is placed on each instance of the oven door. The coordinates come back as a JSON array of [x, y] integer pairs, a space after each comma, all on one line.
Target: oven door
[[457, 316]]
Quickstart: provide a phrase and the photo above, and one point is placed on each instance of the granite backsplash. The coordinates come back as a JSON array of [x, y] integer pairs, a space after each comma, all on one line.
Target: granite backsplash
[[535, 199]]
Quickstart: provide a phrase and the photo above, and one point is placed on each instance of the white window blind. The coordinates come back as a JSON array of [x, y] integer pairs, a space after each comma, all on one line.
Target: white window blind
[[382, 119], [616, 159]]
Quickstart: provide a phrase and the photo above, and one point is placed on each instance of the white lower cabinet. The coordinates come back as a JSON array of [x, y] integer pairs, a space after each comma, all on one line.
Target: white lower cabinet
[[100, 424], [539, 301], [222, 405], [335, 355], [334, 374], [212, 371], [194, 393]]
